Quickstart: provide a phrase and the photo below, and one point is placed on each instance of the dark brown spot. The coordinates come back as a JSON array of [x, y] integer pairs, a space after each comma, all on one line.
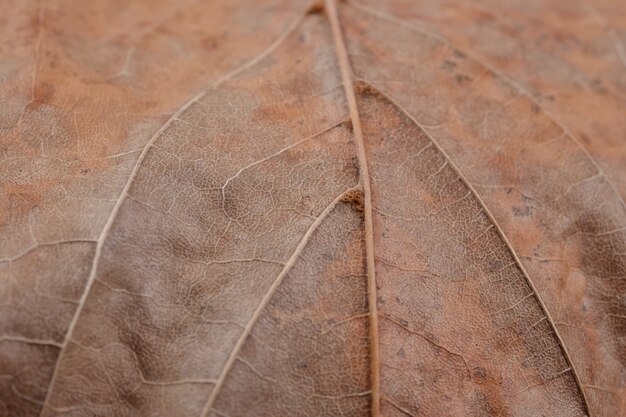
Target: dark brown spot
[[348, 125], [479, 374], [596, 86], [209, 43], [448, 65], [316, 8], [365, 89], [355, 198], [459, 54], [463, 79]]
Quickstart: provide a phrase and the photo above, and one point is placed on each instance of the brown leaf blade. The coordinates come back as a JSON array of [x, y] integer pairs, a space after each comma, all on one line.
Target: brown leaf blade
[[229, 190], [315, 330], [549, 198], [459, 321], [386, 208], [80, 98]]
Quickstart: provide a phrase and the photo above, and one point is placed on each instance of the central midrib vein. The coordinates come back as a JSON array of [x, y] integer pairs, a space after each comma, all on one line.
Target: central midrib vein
[[348, 83]]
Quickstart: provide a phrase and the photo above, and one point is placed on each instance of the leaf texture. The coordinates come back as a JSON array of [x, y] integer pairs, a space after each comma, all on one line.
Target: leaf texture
[[280, 208]]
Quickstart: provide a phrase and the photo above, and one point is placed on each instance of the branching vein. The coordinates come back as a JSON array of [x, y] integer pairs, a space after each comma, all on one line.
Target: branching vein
[[122, 197], [264, 301]]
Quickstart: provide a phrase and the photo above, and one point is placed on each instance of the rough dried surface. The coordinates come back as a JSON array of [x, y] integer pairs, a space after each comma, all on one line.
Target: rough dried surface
[[280, 208]]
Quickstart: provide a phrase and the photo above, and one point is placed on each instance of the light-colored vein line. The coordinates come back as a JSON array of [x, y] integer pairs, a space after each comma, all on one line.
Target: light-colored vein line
[[611, 33], [117, 155], [504, 238], [43, 245], [416, 28], [29, 341], [40, 32], [256, 371], [274, 155], [431, 341], [599, 388], [341, 323], [398, 407], [179, 382], [264, 301], [133, 175], [340, 397], [23, 396], [348, 82], [619, 46]]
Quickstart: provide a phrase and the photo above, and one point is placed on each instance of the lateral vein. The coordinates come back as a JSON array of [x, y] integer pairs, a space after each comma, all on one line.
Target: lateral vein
[[523, 91], [264, 301], [131, 178], [506, 241]]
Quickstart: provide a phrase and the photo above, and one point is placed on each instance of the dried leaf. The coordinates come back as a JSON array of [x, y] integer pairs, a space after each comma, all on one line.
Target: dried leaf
[[279, 208]]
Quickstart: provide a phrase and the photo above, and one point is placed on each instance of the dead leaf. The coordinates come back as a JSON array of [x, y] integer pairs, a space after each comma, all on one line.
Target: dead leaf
[[286, 208]]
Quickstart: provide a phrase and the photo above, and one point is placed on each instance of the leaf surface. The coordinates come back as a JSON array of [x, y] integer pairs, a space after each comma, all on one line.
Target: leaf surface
[[282, 208]]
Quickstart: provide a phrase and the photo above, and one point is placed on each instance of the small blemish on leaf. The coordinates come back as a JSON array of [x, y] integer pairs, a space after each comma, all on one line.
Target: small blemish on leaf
[[459, 54], [522, 211], [348, 125], [365, 89], [463, 79], [355, 198], [448, 65], [316, 8], [480, 374]]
